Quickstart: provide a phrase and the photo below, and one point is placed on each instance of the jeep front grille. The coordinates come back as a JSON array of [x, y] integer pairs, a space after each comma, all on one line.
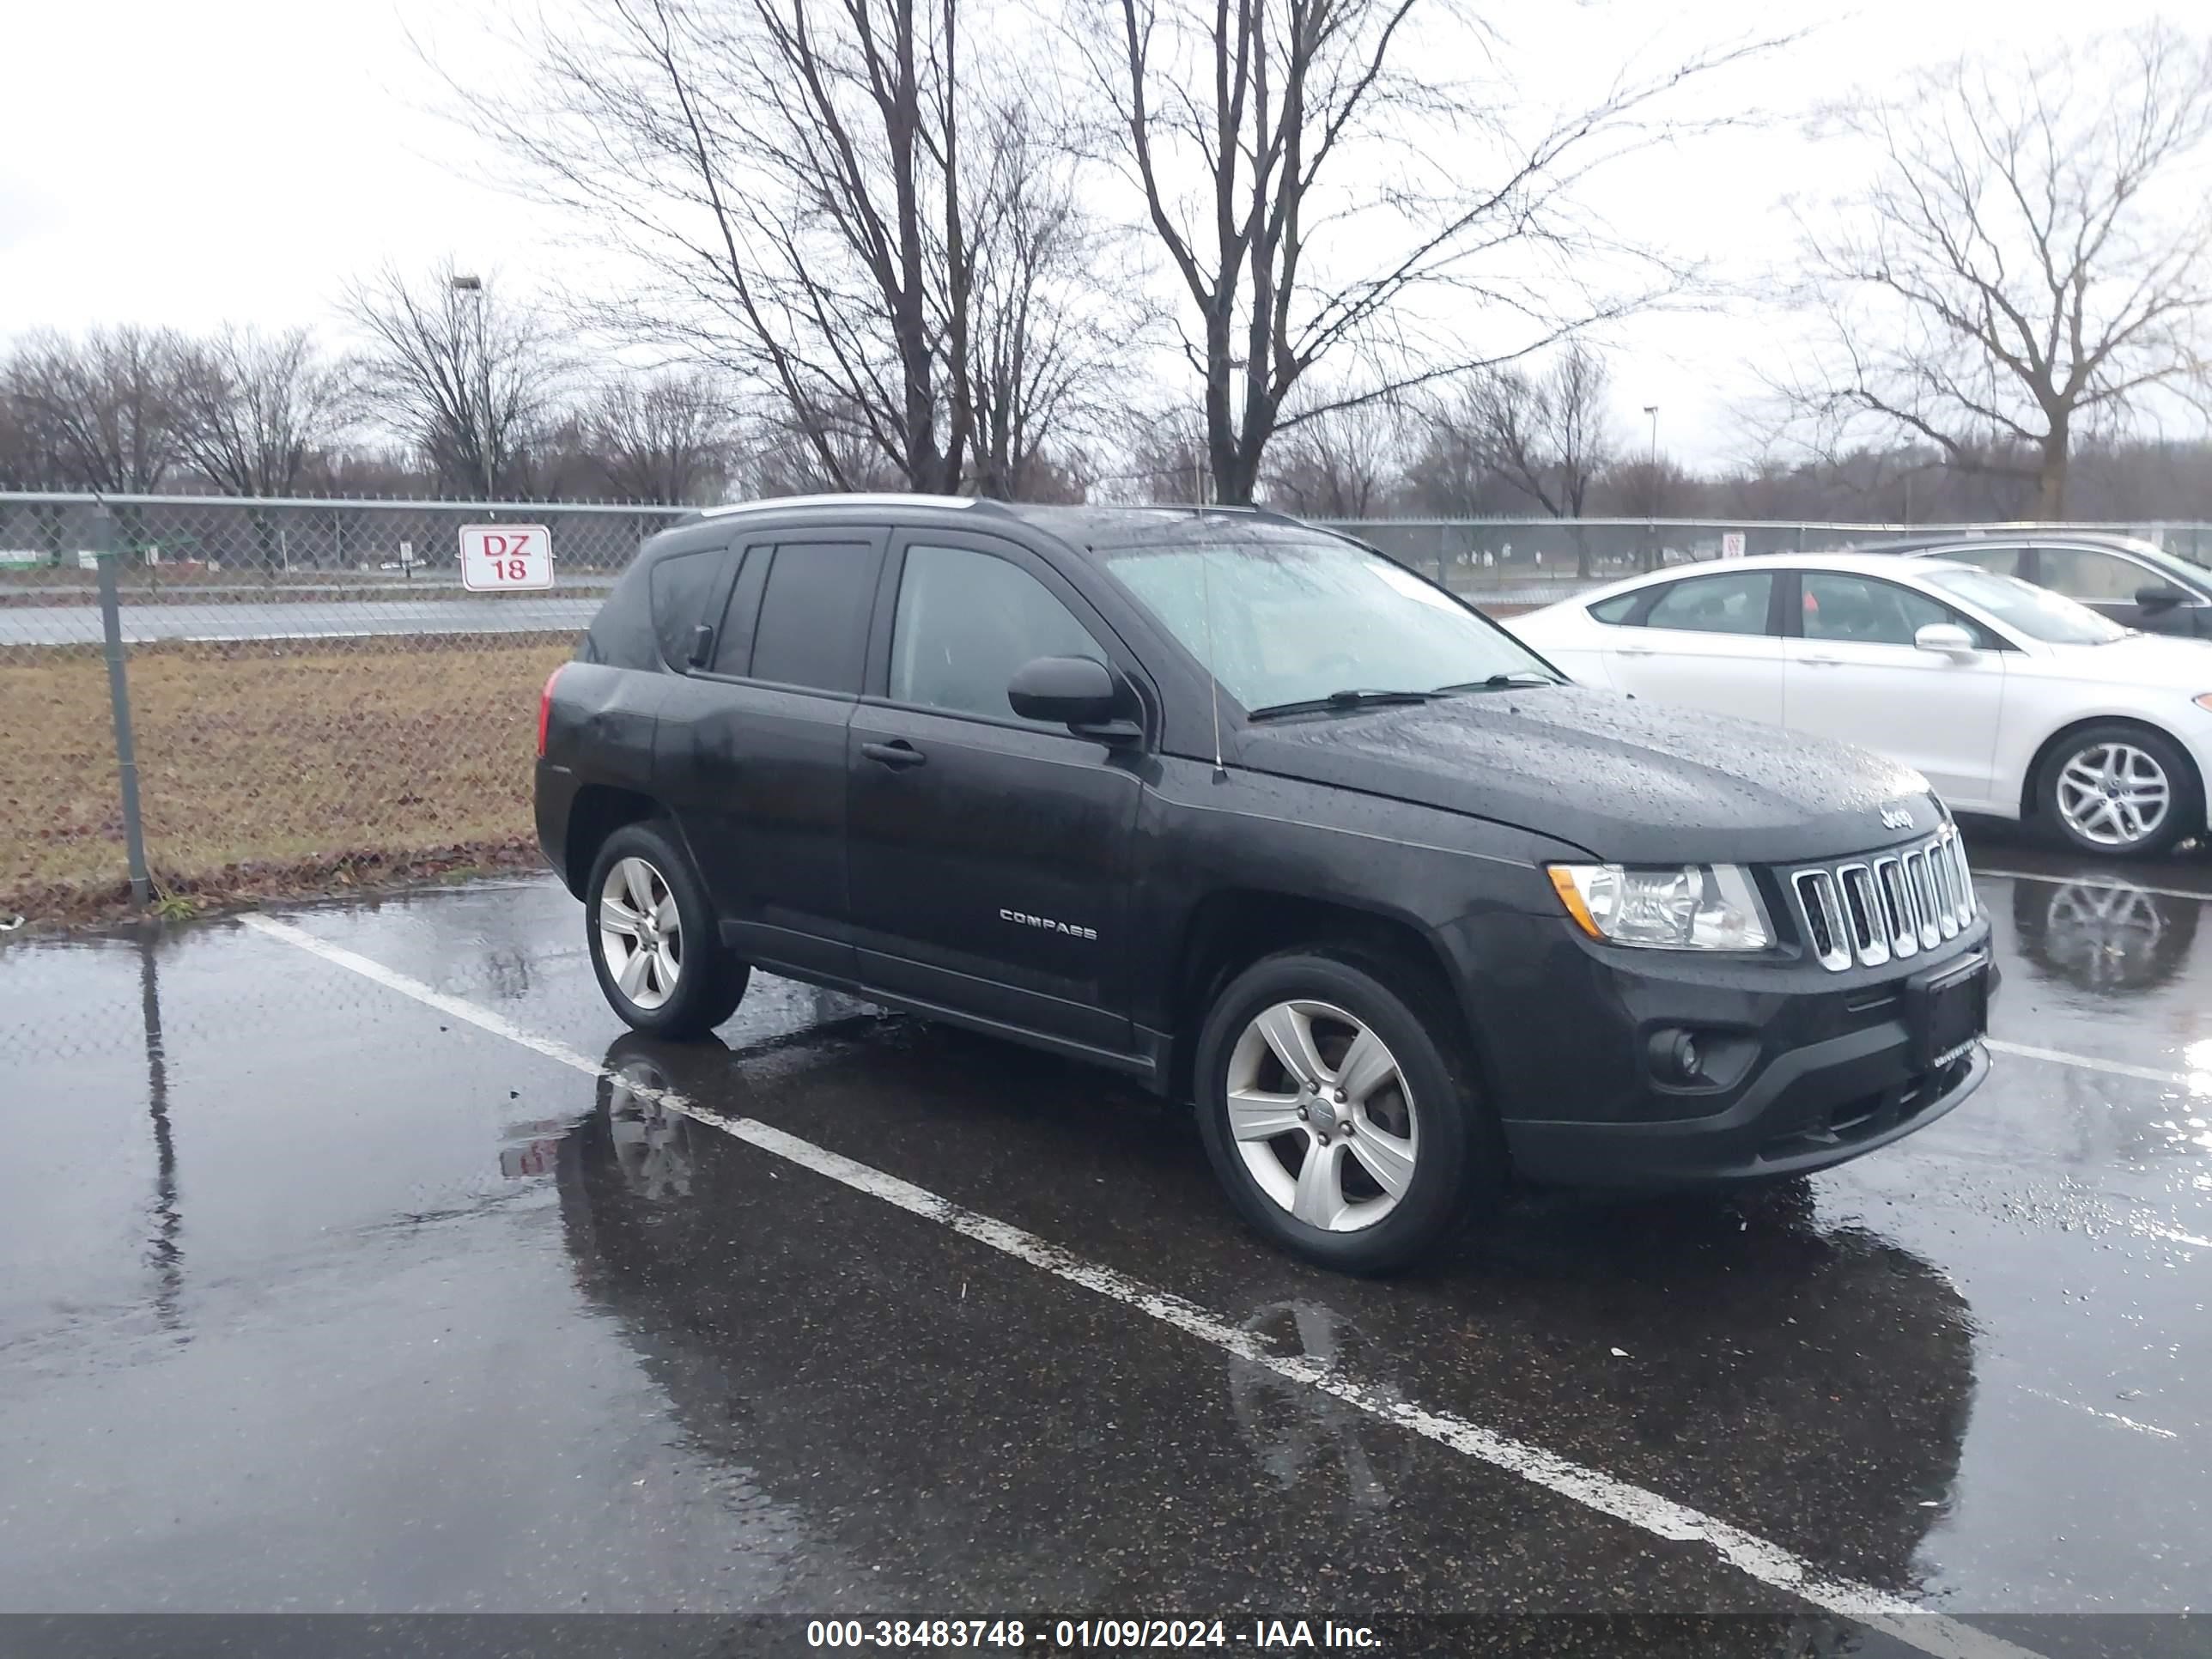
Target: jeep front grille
[[1886, 906]]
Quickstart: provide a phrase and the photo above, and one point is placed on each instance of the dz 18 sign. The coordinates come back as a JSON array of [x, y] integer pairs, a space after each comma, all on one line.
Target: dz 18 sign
[[506, 557]]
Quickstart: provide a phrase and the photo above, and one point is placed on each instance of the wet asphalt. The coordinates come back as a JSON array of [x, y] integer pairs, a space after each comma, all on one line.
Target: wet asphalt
[[316, 1299]]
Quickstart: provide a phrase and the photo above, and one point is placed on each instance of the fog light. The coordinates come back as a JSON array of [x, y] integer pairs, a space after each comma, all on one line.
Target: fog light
[[1675, 1057]]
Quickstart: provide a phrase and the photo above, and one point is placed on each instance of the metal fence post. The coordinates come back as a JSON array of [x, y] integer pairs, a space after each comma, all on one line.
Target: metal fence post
[[118, 702]]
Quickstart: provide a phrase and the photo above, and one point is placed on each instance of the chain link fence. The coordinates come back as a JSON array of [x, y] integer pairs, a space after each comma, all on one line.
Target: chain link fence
[[1498, 563], [313, 694], [315, 697]]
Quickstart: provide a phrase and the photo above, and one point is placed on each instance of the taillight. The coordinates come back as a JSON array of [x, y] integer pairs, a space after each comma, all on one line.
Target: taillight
[[546, 709]]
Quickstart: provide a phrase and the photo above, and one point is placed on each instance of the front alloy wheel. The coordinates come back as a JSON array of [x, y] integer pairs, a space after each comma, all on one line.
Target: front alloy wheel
[[2122, 790], [2114, 794], [1322, 1115], [1336, 1097]]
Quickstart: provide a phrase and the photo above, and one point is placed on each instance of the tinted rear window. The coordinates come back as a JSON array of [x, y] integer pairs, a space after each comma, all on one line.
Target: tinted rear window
[[683, 588], [814, 614], [733, 645]]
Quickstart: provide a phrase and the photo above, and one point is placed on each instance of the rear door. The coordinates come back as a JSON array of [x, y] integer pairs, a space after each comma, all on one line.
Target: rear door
[[991, 855], [1703, 642], [755, 764], [1855, 674]]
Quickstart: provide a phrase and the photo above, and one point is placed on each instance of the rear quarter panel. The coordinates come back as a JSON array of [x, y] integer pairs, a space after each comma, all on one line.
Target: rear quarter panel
[[598, 730]]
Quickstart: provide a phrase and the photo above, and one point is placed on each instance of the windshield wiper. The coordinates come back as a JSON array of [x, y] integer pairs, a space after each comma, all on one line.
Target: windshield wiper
[[1337, 700], [1502, 682]]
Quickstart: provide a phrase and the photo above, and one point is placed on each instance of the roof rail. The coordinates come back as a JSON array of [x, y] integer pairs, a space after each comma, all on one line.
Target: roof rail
[[857, 498]]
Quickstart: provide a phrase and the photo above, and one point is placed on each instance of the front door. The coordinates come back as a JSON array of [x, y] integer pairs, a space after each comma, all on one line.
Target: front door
[[1855, 674], [990, 855]]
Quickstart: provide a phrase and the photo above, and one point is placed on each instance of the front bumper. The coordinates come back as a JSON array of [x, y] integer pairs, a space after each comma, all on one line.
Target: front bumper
[[1814, 1107], [1816, 1067]]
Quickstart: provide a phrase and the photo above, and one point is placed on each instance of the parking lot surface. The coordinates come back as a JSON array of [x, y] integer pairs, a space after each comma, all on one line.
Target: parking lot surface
[[358, 1261]]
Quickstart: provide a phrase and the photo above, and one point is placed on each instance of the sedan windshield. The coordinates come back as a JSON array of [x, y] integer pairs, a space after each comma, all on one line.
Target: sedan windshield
[[2191, 559], [1292, 623], [2035, 612]]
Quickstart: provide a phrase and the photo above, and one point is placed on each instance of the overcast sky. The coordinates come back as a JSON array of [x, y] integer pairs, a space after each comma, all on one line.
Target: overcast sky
[[239, 160]]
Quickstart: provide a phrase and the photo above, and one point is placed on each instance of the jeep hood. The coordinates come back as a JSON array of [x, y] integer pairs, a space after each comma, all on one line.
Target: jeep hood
[[1628, 780]]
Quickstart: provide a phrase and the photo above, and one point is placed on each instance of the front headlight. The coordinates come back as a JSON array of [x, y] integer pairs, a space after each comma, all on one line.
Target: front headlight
[[1702, 906]]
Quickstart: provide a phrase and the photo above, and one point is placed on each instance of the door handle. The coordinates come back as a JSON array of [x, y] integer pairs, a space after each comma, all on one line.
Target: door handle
[[1822, 662], [897, 754]]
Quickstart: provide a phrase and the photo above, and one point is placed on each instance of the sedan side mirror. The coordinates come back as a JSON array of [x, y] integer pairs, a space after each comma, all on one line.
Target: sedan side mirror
[[2159, 597], [1078, 692], [1946, 639]]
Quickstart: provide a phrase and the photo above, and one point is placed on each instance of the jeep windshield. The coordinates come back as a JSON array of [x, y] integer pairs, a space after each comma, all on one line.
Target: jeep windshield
[[1290, 626]]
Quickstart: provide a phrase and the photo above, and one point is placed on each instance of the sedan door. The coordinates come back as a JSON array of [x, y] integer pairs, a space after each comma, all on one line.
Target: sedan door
[[1703, 642], [1854, 673]]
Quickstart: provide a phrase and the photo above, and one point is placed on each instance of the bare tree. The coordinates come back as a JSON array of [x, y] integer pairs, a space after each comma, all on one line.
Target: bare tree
[[789, 176], [464, 378], [1166, 450], [253, 412], [1327, 199], [1451, 475], [670, 438], [1051, 332], [2032, 260], [785, 457], [1548, 436], [27, 459], [100, 411], [1343, 464]]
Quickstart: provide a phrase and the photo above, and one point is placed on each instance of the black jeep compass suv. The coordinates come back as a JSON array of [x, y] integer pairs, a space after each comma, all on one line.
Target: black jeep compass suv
[[1255, 814]]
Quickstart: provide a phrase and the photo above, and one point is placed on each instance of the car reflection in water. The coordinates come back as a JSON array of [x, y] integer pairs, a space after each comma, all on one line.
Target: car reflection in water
[[2104, 937], [946, 1420]]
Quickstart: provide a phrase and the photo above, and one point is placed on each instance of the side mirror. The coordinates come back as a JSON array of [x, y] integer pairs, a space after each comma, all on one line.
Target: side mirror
[[2159, 597], [1072, 691], [1946, 639]]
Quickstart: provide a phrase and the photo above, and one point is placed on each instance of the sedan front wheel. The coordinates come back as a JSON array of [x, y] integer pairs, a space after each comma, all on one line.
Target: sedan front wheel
[[2121, 791]]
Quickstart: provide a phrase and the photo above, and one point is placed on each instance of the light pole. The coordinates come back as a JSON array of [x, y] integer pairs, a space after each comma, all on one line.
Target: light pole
[[1651, 501], [473, 286]]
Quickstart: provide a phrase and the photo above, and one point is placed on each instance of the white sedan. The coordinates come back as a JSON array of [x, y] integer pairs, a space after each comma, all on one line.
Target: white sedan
[[2011, 700]]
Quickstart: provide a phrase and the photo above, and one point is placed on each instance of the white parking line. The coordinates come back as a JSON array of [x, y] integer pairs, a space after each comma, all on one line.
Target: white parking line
[[1768, 1563], [2110, 1417], [2199, 1083]]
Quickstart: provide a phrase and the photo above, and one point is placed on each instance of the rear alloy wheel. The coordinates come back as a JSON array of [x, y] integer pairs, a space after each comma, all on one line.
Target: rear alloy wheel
[[1338, 1111], [653, 942], [640, 933], [2120, 791]]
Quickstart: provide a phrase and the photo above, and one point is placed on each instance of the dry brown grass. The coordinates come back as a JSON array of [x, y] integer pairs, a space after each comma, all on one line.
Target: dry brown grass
[[257, 759]]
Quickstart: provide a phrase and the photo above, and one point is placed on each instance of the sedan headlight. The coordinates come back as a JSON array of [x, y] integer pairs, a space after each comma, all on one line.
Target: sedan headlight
[[1701, 906]]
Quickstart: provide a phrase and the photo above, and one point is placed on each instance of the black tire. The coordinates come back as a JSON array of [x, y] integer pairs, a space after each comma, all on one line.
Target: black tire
[[2185, 815], [710, 981], [1460, 1166]]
